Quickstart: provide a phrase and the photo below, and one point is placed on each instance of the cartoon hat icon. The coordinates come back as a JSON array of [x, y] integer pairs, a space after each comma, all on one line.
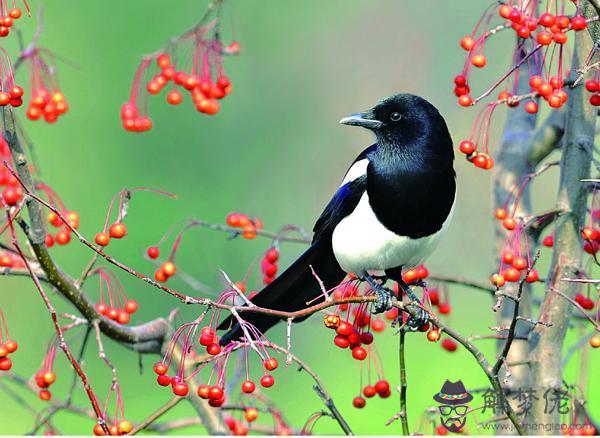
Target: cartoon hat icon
[[453, 393]]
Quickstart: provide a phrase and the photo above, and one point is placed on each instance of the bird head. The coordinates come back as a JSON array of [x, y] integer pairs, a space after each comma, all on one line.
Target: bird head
[[403, 120]]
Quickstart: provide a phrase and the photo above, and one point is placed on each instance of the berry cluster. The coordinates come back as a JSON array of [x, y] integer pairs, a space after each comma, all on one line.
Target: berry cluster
[[119, 424], [12, 193], [248, 225], [213, 392], [540, 36], [7, 345], [268, 265], [113, 302], [47, 100], [381, 388], [45, 377], [8, 17], [201, 75], [585, 301], [71, 217], [515, 260]]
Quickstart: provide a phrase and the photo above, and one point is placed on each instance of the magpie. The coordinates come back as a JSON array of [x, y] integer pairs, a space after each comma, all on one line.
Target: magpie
[[393, 205]]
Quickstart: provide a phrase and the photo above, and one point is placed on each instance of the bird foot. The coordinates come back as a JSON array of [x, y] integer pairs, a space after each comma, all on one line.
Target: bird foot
[[384, 295], [414, 322]]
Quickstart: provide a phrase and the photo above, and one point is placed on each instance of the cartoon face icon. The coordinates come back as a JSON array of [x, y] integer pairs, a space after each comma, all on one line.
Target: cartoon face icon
[[453, 399]]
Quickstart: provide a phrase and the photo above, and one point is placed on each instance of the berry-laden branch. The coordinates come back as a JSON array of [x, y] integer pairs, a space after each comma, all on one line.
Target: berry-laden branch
[[61, 340], [139, 339], [546, 369]]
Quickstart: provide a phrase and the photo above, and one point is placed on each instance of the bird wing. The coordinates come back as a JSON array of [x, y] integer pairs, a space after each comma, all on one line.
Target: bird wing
[[341, 205]]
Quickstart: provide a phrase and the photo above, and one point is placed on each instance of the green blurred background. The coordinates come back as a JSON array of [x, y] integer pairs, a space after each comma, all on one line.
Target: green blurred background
[[275, 151]]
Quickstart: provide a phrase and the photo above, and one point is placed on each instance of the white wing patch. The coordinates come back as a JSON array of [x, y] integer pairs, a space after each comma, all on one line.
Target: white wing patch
[[357, 170], [361, 243]]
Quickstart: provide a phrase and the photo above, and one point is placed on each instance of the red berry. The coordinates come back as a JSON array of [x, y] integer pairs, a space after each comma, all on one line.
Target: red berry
[[359, 402], [498, 280], [531, 107], [117, 230], [213, 349], [102, 239], [181, 389], [359, 353], [467, 147], [267, 381], [467, 42], [369, 391], [532, 277], [548, 241], [215, 393], [248, 386], [131, 306], [160, 368], [271, 364], [382, 386], [433, 335], [592, 86], [449, 345], [345, 329], [174, 97], [465, 100], [153, 252], [444, 308], [511, 275], [479, 61]]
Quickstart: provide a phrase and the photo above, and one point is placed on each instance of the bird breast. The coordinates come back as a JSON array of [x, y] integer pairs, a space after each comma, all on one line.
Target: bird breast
[[362, 244]]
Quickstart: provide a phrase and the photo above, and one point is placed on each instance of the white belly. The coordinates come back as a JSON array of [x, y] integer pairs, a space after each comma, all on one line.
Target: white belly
[[361, 243]]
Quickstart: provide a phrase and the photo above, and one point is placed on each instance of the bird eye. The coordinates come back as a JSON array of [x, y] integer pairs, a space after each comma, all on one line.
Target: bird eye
[[395, 116]]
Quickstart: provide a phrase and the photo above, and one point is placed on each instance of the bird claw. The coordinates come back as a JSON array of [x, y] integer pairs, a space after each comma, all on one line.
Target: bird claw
[[384, 300], [413, 323]]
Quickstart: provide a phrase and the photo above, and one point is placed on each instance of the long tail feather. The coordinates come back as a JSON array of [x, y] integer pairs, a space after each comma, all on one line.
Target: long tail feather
[[291, 290]]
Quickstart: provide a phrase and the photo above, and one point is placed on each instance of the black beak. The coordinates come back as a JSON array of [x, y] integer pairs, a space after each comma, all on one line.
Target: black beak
[[366, 120]]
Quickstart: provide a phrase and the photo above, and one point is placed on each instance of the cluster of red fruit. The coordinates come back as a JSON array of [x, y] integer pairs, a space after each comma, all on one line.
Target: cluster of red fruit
[[268, 265], [44, 379], [586, 429], [117, 230], [120, 315], [266, 381], [210, 340], [586, 302], [7, 348], [47, 105], [591, 237], [204, 92], [12, 97], [381, 388], [349, 336], [63, 235], [165, 271], [549, 28], [237, 427], [7, 21], [514, 262], [122, 427], [12, 192], [593, 86], [248, 225]]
